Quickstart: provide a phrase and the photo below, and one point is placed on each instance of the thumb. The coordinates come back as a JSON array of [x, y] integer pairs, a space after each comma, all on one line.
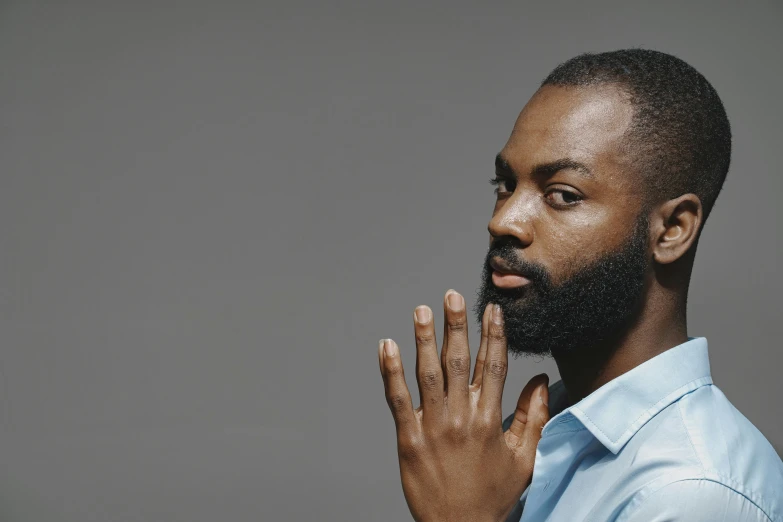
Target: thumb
[[538, 414], [532, 408]]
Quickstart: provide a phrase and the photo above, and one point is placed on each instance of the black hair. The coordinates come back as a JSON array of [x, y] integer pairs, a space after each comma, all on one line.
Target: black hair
[[680, 138]]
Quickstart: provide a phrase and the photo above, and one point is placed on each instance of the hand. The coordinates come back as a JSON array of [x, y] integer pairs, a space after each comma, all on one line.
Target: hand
[[456, 463]]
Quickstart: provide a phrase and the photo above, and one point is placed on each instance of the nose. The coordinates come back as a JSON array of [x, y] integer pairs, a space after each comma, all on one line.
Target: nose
[[511, 218]]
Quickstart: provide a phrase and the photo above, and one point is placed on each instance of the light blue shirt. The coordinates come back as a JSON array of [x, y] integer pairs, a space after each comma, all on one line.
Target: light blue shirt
[[658, 443]]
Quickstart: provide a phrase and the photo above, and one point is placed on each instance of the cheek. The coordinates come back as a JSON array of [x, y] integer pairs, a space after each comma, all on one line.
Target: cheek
[[565, 258], [575, 242]]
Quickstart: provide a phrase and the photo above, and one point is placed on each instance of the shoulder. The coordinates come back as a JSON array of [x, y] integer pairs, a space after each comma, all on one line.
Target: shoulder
[[730, 464], [727, 443]]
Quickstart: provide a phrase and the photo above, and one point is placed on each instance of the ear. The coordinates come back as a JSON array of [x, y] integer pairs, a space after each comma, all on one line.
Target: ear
[[676, 228]]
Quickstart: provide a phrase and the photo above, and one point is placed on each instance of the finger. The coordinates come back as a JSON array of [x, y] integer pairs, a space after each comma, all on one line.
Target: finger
[[380, 359], [478, 370], [445, 346], [397, 395], [496, 365], [521, 416], [538, 412], [428, 371], [458, 355]]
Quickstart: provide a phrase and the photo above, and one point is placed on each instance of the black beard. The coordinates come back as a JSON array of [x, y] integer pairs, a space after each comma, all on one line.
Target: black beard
[[592, 309]]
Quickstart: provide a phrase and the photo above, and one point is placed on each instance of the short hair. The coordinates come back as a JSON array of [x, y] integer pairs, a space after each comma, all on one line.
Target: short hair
[[680, 138]]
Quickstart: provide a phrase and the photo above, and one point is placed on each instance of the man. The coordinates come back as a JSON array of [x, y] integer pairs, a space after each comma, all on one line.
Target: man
[[603, 189]]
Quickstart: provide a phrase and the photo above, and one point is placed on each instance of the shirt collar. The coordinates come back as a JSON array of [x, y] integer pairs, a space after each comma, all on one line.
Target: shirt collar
[[617, 410]]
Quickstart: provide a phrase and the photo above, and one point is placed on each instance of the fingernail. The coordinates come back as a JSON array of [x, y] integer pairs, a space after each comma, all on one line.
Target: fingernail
[[497, 316], [389, 347], [423, 314], [455, 301]]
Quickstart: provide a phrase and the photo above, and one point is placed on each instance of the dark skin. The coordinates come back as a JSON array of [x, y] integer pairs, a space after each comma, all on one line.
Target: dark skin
[[456, 463]]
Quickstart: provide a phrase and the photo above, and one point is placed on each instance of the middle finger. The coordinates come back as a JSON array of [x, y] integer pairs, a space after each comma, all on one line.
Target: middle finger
[[457, 353]]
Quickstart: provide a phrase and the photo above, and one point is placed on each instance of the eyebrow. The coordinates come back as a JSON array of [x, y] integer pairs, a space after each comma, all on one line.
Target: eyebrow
[[546, 169]]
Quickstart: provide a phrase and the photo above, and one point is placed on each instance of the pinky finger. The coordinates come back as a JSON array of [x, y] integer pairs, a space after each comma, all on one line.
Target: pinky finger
[[397, 395]]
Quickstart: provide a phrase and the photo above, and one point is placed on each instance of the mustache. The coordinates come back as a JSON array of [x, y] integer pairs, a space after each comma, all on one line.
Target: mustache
[[506, 251]]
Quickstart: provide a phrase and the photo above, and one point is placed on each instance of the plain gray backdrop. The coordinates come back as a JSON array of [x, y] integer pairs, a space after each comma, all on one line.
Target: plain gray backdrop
[[210, 212]]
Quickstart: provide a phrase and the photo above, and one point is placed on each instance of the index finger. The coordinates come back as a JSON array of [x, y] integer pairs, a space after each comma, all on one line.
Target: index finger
[[496, 364]]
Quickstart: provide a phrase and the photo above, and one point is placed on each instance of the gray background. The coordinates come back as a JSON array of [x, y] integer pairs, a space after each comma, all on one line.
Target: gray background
[[211, 212]]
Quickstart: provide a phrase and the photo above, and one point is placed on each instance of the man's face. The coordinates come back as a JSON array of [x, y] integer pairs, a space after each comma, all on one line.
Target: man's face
[[568, 217]]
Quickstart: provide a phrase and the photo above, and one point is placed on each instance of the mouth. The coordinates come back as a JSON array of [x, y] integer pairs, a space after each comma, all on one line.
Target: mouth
[[505, 277]]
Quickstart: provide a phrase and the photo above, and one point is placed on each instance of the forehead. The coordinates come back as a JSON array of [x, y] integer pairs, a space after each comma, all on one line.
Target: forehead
[[586, 124]]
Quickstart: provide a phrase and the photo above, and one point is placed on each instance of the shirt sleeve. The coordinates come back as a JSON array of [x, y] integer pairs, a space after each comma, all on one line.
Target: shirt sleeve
[[697, 501]]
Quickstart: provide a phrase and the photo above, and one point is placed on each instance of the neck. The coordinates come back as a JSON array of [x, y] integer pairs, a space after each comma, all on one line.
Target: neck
[[660, 325]]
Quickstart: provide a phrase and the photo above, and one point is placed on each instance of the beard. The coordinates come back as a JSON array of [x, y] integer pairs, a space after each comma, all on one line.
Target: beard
[[588, 312]]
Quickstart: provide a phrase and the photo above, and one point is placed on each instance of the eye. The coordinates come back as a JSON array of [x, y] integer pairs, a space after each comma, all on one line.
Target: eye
[[504, 186], [562, 198]]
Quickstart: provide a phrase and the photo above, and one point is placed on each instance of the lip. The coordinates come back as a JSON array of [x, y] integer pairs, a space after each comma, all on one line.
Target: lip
[[504, 277]]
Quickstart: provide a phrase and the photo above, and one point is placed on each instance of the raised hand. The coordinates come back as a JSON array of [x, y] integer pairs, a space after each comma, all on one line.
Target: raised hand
[[456, 463]]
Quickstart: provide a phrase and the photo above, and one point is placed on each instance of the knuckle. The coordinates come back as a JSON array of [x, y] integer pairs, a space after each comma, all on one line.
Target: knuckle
[[459, 365], [497, 368], [495, 332], [394, 369], [408, 448], [457, 430], [485, 423], [396, 402], [434, 400], [430, 379], [425, 337], [458, 323], [457, 423]]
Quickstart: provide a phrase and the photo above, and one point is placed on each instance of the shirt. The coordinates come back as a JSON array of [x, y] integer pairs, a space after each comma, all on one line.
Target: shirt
[[658, 443]]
